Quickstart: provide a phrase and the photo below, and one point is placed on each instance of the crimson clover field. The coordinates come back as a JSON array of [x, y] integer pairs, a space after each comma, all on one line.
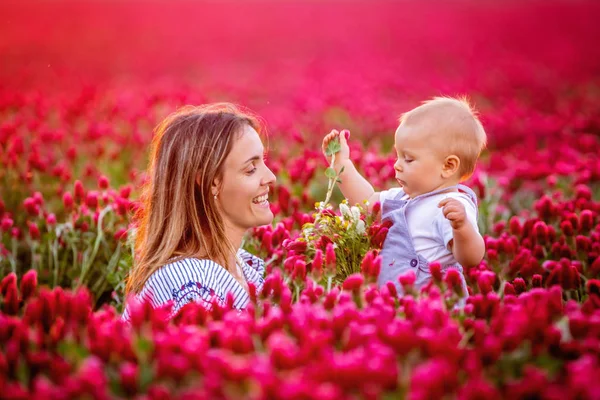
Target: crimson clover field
[[82, 85]]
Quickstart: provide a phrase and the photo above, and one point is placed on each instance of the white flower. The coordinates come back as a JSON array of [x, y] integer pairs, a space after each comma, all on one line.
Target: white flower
[[345, 211], [307, 232], [360, 227], [355, 212]]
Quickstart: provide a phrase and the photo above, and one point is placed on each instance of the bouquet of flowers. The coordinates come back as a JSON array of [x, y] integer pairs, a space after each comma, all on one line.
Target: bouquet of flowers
[[341, 243]]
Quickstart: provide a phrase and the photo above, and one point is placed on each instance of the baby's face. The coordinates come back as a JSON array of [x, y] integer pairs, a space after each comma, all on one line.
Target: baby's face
[[420, 162]]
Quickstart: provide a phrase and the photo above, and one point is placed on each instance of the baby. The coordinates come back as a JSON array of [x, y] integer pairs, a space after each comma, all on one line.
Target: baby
[[434, 217]]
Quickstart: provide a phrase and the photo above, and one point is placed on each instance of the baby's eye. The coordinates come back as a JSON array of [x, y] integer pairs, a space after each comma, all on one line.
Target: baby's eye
[[408, 160]]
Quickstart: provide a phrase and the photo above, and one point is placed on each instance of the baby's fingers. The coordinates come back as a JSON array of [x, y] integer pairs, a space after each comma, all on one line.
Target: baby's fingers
[[452, 208], [447, 200], [452, 216], [328, 138], [448, 210]]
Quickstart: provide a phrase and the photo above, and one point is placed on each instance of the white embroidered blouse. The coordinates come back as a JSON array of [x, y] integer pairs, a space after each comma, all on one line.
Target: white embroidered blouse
[[193, 279]]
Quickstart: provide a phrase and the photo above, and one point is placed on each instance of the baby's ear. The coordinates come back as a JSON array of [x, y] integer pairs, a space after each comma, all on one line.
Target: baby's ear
[[451, 166]]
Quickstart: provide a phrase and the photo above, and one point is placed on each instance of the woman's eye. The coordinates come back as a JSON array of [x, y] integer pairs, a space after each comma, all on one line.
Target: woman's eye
[[251, 171]]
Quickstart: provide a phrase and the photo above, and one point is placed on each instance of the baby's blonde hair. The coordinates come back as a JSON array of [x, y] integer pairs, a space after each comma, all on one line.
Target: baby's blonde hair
[[457, 120]]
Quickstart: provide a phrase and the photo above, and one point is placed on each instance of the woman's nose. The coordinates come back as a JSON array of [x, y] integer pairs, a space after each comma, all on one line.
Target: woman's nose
[[270, 177]]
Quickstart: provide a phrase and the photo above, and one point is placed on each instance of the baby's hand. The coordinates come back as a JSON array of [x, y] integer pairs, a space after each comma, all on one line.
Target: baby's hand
[[454, 211], [344, 153]]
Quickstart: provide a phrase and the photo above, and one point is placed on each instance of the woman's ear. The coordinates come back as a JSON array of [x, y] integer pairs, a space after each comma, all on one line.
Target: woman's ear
[[216, 187], [451, 166]]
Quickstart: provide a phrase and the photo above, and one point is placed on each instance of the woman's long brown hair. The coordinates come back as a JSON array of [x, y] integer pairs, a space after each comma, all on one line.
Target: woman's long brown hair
[[179, 216]]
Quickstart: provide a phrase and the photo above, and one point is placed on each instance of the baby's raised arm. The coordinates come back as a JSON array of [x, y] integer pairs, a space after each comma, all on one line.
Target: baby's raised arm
[[354, 186]]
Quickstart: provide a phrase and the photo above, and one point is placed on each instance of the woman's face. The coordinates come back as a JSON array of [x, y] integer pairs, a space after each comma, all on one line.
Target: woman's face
[[243, 190]]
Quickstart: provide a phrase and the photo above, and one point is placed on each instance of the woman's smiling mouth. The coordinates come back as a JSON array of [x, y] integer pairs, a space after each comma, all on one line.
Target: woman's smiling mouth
[[262, 200]]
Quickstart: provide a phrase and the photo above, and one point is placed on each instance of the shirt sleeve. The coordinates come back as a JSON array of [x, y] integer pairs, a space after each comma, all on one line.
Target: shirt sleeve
[[445, 229], [389, 194], [253, 261]]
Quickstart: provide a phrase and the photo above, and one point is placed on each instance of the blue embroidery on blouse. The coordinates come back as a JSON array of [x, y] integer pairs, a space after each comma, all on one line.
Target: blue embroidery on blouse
[[187, 289]]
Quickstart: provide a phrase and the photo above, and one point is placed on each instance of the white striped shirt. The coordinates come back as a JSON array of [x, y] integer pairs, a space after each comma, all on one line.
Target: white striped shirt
[[193, 279]]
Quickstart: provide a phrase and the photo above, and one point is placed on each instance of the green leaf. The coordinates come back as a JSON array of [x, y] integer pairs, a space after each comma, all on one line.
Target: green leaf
[[23, 372], [143, 347], [333, 147], [146, 375], [115, 385], [330, 173], [548, 363], [73, 351]]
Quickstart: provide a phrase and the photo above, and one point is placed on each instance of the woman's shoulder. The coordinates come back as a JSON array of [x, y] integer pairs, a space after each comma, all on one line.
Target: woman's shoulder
[[186, 269], [178, 273], [182, 280], [178, 267]]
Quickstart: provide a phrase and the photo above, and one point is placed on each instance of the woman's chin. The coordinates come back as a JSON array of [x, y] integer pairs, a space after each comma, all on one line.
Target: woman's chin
[[263, 214], [268, 217]]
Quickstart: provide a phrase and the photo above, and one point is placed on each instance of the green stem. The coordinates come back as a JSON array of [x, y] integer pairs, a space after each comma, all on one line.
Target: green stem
[[119, 300], [49, 254], [330, 184], [13, 256], [502, 286], [75, 262], [54, 250], [33, 263], [99, 237], [100, 286]]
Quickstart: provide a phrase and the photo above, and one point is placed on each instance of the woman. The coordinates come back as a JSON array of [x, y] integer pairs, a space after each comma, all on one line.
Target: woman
[[208, 184]]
